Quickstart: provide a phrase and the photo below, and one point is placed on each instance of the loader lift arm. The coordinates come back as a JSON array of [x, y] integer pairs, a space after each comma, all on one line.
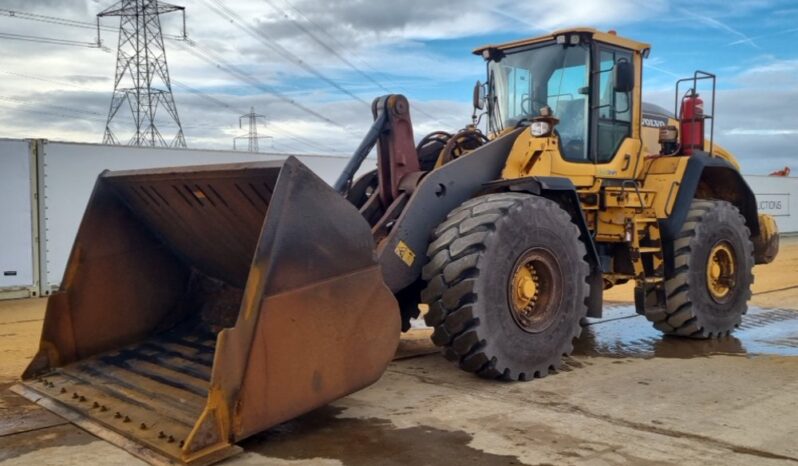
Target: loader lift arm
[[417, 201]]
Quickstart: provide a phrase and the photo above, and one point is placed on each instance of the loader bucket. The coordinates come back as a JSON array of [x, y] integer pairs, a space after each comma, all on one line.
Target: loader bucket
[[201, 305]]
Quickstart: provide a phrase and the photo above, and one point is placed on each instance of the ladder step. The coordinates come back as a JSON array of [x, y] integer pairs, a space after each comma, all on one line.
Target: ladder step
[[645, 219], [650, 250], [653, 280]]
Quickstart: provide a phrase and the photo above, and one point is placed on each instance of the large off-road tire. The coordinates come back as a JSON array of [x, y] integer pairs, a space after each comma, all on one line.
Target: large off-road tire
[[506, 285], [708, 290]]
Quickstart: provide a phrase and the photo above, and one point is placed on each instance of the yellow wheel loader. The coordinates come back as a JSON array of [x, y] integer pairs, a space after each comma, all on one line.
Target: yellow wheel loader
[[202, 305]]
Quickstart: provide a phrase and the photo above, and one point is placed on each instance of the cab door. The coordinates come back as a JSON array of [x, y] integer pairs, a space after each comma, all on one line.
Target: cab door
[[615, 139]]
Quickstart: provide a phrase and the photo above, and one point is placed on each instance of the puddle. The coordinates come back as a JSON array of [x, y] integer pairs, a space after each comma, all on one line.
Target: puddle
[[622, 333], [368, 442]]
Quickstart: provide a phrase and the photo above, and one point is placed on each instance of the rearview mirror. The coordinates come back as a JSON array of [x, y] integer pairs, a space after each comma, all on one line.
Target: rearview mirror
[[479, 96], [623, 76]]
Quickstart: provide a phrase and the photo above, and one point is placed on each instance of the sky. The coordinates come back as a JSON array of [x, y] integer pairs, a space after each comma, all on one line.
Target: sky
[[313, 67]]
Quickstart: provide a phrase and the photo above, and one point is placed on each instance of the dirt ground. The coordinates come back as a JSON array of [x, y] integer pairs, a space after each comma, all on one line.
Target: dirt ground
[[626, 396]]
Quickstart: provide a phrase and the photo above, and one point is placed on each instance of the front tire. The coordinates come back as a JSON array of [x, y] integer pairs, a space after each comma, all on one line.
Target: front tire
[[506, 285], [708, 290]]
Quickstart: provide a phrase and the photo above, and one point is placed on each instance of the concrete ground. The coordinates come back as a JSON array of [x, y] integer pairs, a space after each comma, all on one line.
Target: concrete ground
[[627, 396]]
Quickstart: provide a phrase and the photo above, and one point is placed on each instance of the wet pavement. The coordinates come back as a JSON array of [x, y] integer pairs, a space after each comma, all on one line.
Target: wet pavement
[[367, 442], [622, 333], [628, 395]]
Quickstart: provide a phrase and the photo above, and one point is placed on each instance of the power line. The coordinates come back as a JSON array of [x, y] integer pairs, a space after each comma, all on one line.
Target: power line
[[48, 40], [324, 44], [17, 14], [71, 112], [67, 109], [259, 35], [42, 112], [50, 19], [47, 80], [216, 61], [287, 133], [210, 58], [204, 54], [276, 128]]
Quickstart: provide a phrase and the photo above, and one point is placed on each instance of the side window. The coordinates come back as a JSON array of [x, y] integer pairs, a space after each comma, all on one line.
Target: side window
[[567, 90], [615, 108], [520, 89]]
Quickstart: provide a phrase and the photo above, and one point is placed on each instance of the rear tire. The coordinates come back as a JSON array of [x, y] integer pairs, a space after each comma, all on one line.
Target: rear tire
[[702, 302], [487, 315]]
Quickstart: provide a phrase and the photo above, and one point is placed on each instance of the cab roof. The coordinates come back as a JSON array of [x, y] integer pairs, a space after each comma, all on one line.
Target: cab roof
[[606, 37]]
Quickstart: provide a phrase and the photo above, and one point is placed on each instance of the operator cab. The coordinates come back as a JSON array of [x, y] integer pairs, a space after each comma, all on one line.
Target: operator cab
[[585, 79]]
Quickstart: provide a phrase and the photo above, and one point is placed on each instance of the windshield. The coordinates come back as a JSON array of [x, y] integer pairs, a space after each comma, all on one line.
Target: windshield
[[521, 83]]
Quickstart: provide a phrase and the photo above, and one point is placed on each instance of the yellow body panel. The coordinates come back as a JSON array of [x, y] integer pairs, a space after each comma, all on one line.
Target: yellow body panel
[[624, 199], [664, 176], [605, 37]]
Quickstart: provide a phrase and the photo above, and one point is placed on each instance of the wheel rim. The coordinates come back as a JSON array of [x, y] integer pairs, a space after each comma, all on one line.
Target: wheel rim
[[535, 290], [721, 271]]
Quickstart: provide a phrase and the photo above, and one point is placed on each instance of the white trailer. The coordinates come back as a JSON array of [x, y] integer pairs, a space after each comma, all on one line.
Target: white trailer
[[45, 186]]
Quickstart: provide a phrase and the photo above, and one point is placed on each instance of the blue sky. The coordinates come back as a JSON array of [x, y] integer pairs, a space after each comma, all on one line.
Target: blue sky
[[417, 47], [726, 43]]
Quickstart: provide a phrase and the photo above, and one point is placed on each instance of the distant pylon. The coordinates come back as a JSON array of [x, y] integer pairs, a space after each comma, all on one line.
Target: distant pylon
[[142, 75], [252, 136]]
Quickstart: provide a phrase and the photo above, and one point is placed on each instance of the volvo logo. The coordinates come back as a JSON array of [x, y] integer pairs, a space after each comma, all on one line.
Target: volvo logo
[[654, 122]]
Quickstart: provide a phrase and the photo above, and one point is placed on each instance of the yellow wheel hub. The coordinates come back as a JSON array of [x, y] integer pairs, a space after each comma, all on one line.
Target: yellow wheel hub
[[721, 269], [534, 290], [526, 286]]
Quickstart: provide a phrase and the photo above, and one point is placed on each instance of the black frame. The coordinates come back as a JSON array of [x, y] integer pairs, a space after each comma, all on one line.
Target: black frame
[[698, 75], [595, 96], [594, 66]]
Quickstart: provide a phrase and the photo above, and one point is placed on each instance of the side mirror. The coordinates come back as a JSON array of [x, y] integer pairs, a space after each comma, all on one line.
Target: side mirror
[[623, 76], [479, 96]]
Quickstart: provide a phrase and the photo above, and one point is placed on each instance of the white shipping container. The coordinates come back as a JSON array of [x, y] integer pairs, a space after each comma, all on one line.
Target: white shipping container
[[37, 234], [17, 256], [70, 171]]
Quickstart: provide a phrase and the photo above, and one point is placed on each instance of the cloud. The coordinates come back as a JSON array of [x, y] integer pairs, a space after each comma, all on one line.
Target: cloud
[[546, 15], [408, 46], [717, 24], [770, 72]]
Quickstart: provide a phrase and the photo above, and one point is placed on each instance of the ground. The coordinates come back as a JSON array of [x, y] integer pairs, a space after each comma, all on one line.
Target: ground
[[626, 396]]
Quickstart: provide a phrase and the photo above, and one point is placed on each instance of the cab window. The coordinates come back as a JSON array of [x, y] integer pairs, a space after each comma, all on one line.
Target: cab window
[[614, 109], [553, 75], [567, 96]]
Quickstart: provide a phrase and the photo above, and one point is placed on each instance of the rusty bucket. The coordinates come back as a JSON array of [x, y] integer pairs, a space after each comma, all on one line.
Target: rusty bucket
[[201, 305]]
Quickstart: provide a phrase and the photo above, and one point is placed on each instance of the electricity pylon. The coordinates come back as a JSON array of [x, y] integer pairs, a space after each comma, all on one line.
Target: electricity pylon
[[142, 76], [252, 136]]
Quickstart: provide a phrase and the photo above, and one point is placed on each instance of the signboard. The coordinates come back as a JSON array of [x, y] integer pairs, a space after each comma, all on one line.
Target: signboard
[[777, 205]]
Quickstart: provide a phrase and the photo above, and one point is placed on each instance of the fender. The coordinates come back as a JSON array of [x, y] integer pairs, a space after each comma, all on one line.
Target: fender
[[403, 252], [710, 178], [563, 191]]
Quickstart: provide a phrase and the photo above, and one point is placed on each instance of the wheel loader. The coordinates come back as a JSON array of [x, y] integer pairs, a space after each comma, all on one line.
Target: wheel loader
[[202, 305]]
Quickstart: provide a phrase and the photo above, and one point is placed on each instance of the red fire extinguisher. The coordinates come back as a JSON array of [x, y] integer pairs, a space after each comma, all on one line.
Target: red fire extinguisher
[[692, 122]]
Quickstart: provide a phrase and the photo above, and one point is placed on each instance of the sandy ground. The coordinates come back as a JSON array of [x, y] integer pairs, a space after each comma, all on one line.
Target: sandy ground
[[627, 396]]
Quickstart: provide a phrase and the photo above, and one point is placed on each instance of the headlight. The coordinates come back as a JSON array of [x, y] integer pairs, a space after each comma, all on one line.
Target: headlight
[[539, 128]]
